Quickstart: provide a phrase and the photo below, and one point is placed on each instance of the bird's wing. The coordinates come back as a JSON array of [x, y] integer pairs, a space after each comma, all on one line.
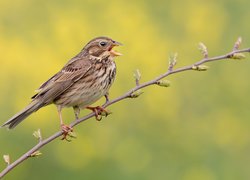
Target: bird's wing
[[68, 65], [61, 81]]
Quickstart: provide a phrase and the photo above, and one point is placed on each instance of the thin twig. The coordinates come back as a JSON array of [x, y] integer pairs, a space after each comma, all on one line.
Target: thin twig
[[128, 94]]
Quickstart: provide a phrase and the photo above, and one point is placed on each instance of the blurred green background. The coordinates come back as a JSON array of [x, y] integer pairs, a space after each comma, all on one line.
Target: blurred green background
[[197, 129]]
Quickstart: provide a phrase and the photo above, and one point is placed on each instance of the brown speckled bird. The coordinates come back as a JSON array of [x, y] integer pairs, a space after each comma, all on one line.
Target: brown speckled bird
[[82, 81]]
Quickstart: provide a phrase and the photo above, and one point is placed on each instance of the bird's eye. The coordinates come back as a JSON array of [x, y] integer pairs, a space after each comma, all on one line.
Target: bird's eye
[[103, 43]]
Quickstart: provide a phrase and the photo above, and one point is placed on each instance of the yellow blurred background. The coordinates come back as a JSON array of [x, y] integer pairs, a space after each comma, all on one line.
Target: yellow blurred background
[[198, 129]]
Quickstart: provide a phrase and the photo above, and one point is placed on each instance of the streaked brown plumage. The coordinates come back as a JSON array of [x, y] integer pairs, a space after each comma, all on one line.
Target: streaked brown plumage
[[82, 81]]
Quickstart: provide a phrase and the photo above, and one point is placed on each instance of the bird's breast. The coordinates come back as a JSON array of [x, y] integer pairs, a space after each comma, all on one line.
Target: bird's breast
[[90, 87]]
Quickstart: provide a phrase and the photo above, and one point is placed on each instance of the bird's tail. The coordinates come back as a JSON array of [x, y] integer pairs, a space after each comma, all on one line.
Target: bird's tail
[[19, 117]]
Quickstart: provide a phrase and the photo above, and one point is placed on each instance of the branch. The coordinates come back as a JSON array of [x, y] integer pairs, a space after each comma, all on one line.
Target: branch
[[132, 93]]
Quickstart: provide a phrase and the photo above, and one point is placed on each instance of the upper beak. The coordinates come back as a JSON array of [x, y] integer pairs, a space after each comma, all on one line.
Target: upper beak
[[115, 53], [117, 43]]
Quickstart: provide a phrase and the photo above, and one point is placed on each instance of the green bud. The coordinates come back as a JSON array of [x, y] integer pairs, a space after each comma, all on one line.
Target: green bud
[[37, 134], [6, 159], [203, 49], [173, 59], [137, 75], [238, 56], [35, 154], [136, 94], [237, 43], [163, 83], [200, 68]]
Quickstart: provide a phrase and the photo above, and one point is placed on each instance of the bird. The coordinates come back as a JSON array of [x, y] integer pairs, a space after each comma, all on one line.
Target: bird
[[84, 79]]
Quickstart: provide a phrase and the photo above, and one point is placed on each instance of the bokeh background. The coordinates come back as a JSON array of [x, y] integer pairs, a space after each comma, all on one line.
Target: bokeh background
[[197, 129]]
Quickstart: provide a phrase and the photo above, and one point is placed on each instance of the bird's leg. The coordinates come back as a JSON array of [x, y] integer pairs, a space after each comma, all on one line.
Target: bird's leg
[[65, 128], [76, 111], [98, 110], [107, 97]]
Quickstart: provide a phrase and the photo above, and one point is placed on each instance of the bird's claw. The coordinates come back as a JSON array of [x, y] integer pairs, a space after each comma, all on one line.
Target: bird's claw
[[99, 112], [67, 131]]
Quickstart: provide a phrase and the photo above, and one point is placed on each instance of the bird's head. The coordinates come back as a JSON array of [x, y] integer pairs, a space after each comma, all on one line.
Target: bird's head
[[101, 45]]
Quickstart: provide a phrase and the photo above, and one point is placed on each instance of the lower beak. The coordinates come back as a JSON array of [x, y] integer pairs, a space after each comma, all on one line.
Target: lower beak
[[115, 53]]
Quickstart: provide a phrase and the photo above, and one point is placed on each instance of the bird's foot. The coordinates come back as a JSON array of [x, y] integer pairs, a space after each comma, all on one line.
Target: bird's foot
[[67, 131], [99, 112]]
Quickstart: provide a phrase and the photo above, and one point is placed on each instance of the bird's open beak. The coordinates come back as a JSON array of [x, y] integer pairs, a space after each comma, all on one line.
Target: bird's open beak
[[113, 52]]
